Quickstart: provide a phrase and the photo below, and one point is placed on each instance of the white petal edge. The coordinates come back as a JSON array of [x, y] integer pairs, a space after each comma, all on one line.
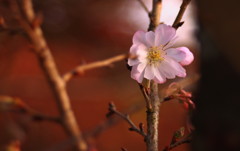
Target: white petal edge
[[170, 68]]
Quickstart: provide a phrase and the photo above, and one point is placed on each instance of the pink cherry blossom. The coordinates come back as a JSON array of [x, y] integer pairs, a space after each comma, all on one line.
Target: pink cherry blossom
[[156, 59]]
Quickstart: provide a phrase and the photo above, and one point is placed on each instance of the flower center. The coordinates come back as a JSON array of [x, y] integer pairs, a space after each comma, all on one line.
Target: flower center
[[155, 55]]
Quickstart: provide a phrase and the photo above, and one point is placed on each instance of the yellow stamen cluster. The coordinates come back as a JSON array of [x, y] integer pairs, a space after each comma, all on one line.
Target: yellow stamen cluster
[[155, 54]]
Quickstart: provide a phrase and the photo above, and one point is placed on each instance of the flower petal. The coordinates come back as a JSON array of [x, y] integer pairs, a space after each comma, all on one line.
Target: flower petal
[[170, 68], [141, 67], [176, 54], [138, 76], [149, 72], [163, 34], [150, 38], [170, 43], [159, 78], [181, 54], [133, 51], [132, 62], [188, 56], [139, 38], [140, 51]]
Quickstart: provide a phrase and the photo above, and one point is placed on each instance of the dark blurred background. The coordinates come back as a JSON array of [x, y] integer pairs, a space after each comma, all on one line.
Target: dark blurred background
[[82, 31], [217, 117]]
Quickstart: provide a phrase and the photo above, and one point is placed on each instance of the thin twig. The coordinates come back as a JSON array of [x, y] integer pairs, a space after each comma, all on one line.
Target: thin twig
[[177, 23], [185, 140], [113, 110], [101, 127], [16, 105], [144, 6], [146, 96], [104, 63], [109, 122], [26, 18]]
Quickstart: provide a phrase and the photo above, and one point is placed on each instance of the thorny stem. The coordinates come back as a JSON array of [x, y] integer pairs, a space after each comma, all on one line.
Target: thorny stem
[[48, 65], [177, 23]]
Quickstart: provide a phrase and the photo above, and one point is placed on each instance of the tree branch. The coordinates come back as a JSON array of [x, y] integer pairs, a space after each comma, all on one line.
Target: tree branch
[[16, 105], [154, 15], [146, 96], [153, 112], [104, 63], [103, 126], [26, 18], [185, 140], [112, 110], [177, 23]]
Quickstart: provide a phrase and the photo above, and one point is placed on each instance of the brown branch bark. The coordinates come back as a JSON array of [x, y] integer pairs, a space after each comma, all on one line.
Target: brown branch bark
[[46, 60], [112, 110], [155, 101], [152, 119], [153, 111], [154, 15], [104, 63], [101, 127], [183, 141], [177, 23]]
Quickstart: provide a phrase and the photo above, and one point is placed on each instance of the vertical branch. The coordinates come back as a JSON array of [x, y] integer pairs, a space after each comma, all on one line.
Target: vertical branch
[[48, 65], [154, 16], [152, 119], [153, 111]]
